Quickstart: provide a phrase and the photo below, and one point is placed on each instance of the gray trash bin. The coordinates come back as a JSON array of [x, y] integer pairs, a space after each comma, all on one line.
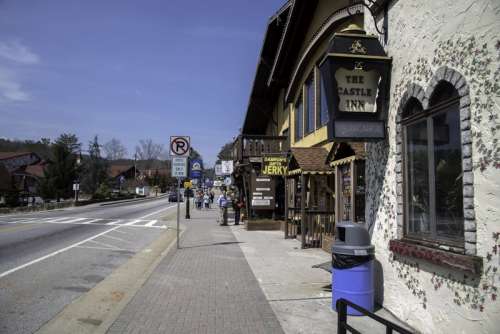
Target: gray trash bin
[[352, 266]]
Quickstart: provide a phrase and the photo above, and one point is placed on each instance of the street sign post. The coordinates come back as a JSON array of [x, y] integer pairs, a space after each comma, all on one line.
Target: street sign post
[[180, 147]]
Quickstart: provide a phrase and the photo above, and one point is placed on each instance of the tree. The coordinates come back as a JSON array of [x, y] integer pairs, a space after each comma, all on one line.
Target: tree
[[95, 169], [148, 151], [194, 154], [226, 152], [114, 149], [62, 169]]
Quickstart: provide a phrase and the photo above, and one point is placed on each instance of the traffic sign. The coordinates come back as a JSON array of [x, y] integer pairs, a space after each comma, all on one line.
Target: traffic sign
[[188, 185], [179, 167], [179, 146], [218, 170], [227, 181], [227, 167]]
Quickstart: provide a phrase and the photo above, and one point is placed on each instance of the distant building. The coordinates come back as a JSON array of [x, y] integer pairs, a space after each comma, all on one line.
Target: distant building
[[21, 172]]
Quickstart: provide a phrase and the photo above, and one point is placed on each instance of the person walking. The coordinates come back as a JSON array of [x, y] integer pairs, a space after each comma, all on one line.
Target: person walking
[[212, 195], [222, 203], [237, 205], [206, 201]]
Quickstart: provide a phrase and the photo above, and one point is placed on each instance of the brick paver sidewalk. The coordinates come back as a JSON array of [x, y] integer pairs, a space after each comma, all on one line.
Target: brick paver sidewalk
[[205, 287]]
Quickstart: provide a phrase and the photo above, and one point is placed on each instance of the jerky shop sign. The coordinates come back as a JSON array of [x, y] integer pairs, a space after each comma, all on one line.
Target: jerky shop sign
[[274, 166], [357, 90]]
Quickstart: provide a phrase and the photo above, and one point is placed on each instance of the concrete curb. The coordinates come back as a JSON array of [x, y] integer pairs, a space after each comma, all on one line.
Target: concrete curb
[[97, 310]]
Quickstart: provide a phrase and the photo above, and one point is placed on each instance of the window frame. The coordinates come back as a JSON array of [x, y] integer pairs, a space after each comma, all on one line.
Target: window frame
[[319, 110], [298, 136], [309, 82], [431, 238]]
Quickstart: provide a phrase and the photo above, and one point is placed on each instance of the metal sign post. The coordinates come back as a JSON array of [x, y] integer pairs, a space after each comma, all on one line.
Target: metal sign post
[[178, 209], [180, 146]]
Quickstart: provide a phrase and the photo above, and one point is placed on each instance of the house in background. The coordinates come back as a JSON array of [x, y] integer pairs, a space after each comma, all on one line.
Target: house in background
[[21, 172]]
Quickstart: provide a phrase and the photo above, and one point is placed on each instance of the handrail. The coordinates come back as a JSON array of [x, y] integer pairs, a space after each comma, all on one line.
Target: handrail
[[342, 325]]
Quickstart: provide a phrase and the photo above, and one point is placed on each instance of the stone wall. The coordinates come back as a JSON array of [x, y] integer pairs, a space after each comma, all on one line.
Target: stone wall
[[459, 42]]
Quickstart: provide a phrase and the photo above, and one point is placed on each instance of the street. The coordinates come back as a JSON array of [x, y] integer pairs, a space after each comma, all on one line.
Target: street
[[48, 259]]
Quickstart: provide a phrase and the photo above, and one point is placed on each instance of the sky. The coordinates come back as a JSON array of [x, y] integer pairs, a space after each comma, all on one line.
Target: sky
[[129, 69]]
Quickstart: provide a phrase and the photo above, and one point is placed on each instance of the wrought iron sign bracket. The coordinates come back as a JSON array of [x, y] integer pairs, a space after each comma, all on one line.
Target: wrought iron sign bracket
[[372, 3]]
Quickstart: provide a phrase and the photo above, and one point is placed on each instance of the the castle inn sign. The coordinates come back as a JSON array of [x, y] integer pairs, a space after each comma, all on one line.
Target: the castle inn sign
[[355, 74]]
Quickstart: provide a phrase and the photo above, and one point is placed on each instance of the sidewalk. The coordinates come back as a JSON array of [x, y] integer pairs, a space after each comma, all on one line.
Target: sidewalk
[[225, 279], [299, 295], [205, 287]]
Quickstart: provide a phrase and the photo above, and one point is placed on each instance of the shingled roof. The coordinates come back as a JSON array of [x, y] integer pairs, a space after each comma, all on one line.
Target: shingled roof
[[309, 160]]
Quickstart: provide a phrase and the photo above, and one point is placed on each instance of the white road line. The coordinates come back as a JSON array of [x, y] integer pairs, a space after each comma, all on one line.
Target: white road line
[[114, 222], [54, 220], [104, 248], [13, 270], [71, 220], [151, 223], [131, 223], [156, 212], [109, 246], [91, 221], [116, 238]]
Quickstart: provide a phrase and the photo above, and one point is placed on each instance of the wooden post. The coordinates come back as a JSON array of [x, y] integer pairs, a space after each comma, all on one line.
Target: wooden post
[[286, 205], [303, 189]]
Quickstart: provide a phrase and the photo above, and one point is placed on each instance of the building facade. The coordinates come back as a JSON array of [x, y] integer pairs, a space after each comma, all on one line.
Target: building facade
[[433, 185], [427, 192]]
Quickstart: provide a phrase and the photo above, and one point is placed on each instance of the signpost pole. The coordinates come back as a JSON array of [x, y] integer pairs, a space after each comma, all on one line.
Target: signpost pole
[[178, 208]]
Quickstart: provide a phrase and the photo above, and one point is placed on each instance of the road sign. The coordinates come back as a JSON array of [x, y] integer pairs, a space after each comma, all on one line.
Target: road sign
[[179, 167], [76, 186], [227, 181], [188, 185], [179, 146], [227, 167], [218, 170]]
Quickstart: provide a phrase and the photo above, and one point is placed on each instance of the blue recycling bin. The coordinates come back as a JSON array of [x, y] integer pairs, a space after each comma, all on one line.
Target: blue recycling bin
[[352, 267]]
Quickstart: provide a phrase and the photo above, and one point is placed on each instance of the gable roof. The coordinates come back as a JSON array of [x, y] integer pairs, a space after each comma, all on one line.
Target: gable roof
[[10, 155]]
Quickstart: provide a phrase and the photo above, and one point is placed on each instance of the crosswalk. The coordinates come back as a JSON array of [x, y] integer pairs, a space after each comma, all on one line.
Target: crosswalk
[[146, 223]]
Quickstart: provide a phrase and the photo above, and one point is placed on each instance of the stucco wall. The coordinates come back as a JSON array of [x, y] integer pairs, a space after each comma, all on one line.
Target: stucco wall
[[424, 36]]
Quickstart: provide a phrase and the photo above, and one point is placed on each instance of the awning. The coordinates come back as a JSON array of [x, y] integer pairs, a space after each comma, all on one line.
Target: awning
[[343, 153], [308, 160]]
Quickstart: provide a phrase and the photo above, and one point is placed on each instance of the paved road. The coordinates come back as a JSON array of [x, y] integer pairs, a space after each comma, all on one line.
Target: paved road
[[49, 259]]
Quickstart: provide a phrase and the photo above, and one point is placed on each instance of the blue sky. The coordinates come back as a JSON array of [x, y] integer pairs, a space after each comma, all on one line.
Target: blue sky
[[129, 69]]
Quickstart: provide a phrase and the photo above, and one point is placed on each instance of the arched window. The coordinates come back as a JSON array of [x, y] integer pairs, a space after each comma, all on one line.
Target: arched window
[[433, 168]]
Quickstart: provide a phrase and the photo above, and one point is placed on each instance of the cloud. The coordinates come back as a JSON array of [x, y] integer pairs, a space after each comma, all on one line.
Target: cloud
[[10, 89], [16, 51]]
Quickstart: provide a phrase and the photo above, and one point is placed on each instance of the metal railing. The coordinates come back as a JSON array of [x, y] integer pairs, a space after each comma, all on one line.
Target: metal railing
[[246, 146], [316, 224], [343, 327]]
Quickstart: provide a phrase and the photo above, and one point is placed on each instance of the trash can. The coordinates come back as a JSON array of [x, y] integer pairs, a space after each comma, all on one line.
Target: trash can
[[352, 267]]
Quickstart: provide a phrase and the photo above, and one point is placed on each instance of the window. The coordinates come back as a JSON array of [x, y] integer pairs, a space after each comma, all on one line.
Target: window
[[299, 118], [322, 117], [309, 111], [433, 168]]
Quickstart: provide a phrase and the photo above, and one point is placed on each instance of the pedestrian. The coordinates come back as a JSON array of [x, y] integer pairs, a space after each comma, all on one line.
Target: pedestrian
[[199, 200], [222, 203], [237, 205], [212, 195], [206, 201]]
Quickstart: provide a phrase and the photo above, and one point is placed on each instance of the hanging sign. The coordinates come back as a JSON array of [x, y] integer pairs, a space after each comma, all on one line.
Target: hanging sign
[[274, 166], [357, 90], [227, 167], [218, 170], [196, 168], [355, 77]]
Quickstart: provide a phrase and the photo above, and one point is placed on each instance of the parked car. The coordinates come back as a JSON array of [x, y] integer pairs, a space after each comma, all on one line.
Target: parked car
[[172, 197]]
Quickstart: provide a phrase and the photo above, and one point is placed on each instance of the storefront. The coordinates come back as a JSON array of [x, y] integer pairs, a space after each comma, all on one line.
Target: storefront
[[310, 197]]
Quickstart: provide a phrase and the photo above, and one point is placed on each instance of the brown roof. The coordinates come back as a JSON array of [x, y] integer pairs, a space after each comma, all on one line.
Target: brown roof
[[115, 170], [36, 169], [10, 155], [311, 159]]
